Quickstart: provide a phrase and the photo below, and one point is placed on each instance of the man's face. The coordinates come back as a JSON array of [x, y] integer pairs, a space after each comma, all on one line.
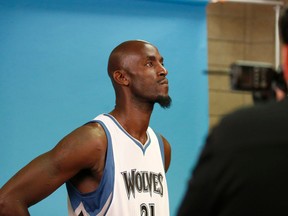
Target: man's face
[[147, 75]]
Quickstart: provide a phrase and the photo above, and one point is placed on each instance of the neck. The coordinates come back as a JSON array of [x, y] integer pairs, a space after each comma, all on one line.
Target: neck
[[134, 120]]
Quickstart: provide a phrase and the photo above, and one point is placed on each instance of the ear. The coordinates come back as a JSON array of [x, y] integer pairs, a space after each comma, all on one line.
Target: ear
[[119, 77]]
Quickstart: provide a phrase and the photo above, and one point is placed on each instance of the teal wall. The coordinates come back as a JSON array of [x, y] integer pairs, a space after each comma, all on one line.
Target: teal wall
[[53, 59]]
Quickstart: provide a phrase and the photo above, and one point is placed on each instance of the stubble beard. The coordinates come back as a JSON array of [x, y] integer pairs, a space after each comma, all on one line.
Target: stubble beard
[[164, 101]]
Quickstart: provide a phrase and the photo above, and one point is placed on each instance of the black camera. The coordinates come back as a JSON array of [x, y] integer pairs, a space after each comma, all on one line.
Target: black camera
[[257, 77]]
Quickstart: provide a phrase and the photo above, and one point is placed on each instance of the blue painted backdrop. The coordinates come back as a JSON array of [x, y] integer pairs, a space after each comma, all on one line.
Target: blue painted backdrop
[[53, 58]]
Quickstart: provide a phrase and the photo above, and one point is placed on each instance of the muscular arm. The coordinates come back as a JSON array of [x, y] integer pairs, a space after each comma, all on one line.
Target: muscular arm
[[84, 148], [167, 153]]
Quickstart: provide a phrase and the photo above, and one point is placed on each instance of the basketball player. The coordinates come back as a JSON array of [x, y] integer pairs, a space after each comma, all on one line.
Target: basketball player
[[120, 165]]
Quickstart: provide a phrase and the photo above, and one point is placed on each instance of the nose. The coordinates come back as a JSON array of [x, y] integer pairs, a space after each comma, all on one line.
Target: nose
[[162, 70]]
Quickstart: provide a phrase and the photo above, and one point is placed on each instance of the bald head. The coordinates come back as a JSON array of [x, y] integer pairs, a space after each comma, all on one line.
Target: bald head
[[118, 55], [137, 72]]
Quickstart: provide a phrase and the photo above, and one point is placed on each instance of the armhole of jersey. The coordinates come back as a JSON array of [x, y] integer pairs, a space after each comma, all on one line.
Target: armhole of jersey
[[161, 145], [107, 194], [108, 163]]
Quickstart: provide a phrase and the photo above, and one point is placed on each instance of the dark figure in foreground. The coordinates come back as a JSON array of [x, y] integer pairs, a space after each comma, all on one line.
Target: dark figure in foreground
[[115, 164], [243, 169]]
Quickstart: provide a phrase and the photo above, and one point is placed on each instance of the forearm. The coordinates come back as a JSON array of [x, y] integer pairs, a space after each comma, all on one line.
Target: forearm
[[29, 185]]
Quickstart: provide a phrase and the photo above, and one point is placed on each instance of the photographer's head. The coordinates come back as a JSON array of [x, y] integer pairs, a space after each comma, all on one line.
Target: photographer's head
[[283, 26]]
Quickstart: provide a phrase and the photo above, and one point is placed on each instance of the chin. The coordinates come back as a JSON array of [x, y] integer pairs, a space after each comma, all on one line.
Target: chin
[[164, 101]]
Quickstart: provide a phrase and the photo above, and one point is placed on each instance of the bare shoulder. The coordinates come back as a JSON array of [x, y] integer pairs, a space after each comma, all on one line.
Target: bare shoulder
[[84, 147], [167, 152]]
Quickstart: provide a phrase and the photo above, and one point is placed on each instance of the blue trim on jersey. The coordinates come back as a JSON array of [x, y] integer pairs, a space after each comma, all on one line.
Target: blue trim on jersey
[[94, 201], [137, 142], [161, 145]]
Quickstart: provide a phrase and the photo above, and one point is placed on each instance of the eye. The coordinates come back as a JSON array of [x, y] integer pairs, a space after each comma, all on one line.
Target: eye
[[149, 64]]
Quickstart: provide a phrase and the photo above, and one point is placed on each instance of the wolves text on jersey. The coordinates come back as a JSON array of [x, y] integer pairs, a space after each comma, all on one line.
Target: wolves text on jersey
[[143, 182]]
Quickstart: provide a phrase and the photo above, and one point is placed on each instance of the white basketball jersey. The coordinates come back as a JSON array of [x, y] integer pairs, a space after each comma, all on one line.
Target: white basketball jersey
[[133, 182]]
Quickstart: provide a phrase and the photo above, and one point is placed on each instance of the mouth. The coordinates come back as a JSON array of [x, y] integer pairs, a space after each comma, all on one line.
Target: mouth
[[163, 82]]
